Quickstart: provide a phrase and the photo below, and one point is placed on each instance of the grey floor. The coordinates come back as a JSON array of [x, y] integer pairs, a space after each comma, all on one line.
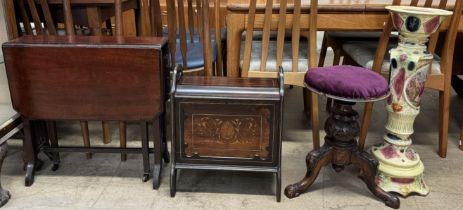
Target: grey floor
[[105, 182]]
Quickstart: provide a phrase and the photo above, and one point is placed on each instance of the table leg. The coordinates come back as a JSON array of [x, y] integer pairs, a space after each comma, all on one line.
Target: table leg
[[28, 153], [158, 142], [145, 150], [235, 26]]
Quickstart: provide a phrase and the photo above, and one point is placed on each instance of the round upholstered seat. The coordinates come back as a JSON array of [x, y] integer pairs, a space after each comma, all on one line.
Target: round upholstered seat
[[347, 82]]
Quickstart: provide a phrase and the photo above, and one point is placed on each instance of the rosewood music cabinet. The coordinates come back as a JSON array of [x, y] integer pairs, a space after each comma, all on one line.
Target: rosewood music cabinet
[[222, 123]]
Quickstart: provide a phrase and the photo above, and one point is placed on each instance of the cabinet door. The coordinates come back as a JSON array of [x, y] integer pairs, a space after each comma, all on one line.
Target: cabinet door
[[229, 132]]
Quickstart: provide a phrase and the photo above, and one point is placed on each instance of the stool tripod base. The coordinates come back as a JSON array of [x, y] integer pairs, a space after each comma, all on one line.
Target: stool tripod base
[[340, 150]]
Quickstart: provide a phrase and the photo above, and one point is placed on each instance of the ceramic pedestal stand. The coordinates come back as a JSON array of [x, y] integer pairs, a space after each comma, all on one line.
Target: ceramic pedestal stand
[[400, 169]]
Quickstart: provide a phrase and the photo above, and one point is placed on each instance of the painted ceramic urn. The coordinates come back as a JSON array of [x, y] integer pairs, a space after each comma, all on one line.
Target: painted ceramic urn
[[400, 169]]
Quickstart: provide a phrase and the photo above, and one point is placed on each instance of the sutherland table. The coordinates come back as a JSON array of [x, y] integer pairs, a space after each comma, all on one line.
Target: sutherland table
[[333, 15], [222, 123], [89, 78]]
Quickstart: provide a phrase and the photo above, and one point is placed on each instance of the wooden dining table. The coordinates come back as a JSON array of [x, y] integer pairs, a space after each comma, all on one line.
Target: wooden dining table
[[93, 13], [333, 15]]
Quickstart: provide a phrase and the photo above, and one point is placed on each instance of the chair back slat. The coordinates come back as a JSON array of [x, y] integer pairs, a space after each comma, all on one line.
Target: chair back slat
[[24, 17], [35, 17], [199, 19], [449, 43], [68, 22], [281, 33], [218, 36], [156, 18], [182, 31], [172, 27], [248, 40], [48, 19], [434, 37], [207, 50], [266, 34], [428, 3], [118, 12], [191, 20], [414, 3], [383, 40], [313, 33], [296, 33]]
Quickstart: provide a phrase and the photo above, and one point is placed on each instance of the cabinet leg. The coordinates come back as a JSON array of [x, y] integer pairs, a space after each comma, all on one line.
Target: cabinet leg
[[52, 136], [278, 185], [28, 153], [173, 181], [315, 160]]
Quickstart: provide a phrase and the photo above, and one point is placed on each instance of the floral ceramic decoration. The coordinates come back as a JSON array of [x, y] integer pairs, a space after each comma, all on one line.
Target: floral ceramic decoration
[[400, 169]]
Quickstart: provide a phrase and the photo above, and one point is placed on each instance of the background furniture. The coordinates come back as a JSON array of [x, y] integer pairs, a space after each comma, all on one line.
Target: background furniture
[[346, 85], [197, 46], [221, 123], [129, 71]]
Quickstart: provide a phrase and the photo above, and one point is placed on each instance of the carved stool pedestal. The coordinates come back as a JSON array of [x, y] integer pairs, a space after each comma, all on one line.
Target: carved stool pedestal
[[342, 127]]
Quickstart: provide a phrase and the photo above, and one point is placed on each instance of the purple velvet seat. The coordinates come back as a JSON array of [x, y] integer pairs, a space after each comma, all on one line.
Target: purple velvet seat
[[347, 82]]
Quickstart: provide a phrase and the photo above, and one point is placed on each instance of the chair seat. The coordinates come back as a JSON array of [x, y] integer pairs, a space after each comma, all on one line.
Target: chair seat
[[287, 61], [195, 56], [347, 82], [363, 53]]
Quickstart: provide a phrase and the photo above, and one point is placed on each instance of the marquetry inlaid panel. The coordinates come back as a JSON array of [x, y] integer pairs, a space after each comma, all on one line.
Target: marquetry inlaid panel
[[228, 130]]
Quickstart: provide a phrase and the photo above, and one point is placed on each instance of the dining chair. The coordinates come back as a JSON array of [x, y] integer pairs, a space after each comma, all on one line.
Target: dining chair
[[29, 13], [262, 56], [194, 42], [439, 78]]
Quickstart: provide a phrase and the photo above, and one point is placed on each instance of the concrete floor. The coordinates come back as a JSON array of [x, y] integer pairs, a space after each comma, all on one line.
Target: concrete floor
[[105, 182]]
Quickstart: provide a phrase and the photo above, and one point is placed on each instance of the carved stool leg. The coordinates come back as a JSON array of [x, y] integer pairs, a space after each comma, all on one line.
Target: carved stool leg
[[368, 168], [145, 150], [4, 194], [315, 160]]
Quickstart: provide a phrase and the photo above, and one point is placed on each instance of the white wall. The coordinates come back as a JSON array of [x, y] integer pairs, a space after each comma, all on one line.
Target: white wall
[[4, 93]]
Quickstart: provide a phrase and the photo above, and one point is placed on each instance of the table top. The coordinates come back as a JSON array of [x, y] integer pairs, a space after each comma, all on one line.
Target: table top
[[94, 41], [330, 5]]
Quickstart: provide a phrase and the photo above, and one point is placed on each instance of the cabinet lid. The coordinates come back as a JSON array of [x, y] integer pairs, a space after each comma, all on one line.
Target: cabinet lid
[[227, 87]]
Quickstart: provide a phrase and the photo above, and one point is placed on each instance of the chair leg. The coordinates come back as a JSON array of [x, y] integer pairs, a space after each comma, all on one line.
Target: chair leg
[[444, 106], [337, 56], [365, 124], [123, 138], [315, 120], [306, 99], [106, 132], [85, 135]]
